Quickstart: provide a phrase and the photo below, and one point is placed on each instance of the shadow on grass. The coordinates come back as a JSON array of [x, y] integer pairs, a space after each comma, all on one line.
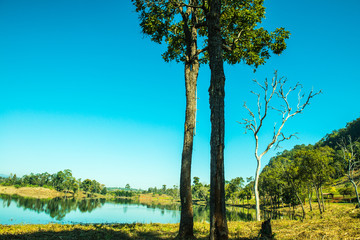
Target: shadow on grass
[[103, 231], [99, 232], [80, 234]]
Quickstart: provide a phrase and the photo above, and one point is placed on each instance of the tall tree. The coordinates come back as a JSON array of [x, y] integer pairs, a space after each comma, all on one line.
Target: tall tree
[[177, 23], [232, 27], [218, 223], [256, 118], [316, 167], [294, 178]]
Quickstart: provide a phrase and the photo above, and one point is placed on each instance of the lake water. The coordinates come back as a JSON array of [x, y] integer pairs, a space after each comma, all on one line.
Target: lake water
[[20, 210]]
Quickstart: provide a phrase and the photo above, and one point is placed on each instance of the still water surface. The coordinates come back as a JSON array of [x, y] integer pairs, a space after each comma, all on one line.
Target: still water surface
[[19, 210]]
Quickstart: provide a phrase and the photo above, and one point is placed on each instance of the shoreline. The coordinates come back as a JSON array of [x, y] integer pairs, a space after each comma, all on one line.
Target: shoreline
[[43, 193], [33, 192]]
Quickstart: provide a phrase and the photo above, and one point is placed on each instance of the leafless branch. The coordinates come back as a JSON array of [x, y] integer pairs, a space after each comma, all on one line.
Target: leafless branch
[[268, 91]]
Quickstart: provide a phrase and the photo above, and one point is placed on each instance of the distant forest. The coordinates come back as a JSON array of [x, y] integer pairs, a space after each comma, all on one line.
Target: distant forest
[[62, 181]]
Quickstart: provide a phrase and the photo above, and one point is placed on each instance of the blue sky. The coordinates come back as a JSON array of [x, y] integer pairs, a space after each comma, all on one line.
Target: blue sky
[[82, 89]]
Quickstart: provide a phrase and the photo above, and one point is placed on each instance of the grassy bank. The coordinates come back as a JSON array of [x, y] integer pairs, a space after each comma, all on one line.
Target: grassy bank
[[34, 192], [40, 192], [340, 221]]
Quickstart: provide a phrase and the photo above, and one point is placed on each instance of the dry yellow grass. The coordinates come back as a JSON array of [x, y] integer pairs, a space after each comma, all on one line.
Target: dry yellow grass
[[34, 192], [156, 199]]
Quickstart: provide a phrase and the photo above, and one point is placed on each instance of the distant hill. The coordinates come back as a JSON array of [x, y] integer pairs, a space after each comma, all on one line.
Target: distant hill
[[331, 139], [3, 175], [351, 128]]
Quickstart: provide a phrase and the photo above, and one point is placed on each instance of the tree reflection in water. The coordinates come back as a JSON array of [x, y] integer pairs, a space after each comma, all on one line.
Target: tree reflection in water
[[56, 208]]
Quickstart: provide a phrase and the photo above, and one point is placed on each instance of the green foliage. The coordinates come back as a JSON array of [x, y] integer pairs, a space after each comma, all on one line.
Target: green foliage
[[123, 193], [170, 21], [352, 129], [199, 190], [233, 187], [347, 191], [290, 173], [244, 40], [173, 192], [165, 21], [316, 166], [60, 181]]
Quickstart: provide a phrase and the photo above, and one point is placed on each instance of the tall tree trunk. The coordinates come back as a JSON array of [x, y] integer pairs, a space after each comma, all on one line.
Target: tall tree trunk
[[356, 192], [218, 223], [256, 190], [191, 74], [186, 219]]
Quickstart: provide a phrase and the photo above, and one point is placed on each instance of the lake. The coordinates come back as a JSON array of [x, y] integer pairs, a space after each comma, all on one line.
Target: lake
[[19, 210]]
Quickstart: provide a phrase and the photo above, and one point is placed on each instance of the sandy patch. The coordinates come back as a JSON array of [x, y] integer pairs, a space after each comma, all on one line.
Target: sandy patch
[[34, 192]]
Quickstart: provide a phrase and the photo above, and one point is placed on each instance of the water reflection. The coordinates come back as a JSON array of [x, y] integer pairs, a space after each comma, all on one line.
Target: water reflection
[[56, 208]]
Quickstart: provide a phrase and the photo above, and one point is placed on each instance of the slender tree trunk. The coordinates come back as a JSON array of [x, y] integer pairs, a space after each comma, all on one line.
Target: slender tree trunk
[[302, 205], [322, 199], [186, 219], [318, 199], [310, 197], [356, 192], [256, 190], [191, 74], [218, 223]]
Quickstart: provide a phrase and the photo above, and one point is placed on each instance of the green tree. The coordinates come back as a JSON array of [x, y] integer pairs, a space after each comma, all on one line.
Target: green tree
[[232, 25], [127, 186], [271, 183], [317, 169], [177, 23], [294, 177], [233, 187], [199, 190], [163, 189], [58, 180], [346, 191], [86, 185], [104, 190]]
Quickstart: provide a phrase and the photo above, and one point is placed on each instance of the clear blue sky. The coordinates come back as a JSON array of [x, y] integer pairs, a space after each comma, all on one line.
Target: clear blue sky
[[82, 89]]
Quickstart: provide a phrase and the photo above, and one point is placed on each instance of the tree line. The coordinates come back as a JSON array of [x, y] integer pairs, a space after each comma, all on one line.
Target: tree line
[[293, 176], [62, 181]]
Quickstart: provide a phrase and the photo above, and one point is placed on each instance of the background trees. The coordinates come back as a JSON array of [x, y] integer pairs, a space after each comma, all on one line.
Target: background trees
[[62, 181]]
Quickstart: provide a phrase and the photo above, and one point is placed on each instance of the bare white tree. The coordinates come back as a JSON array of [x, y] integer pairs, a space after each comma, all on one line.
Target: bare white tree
[[255, 122], [350, 157]]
